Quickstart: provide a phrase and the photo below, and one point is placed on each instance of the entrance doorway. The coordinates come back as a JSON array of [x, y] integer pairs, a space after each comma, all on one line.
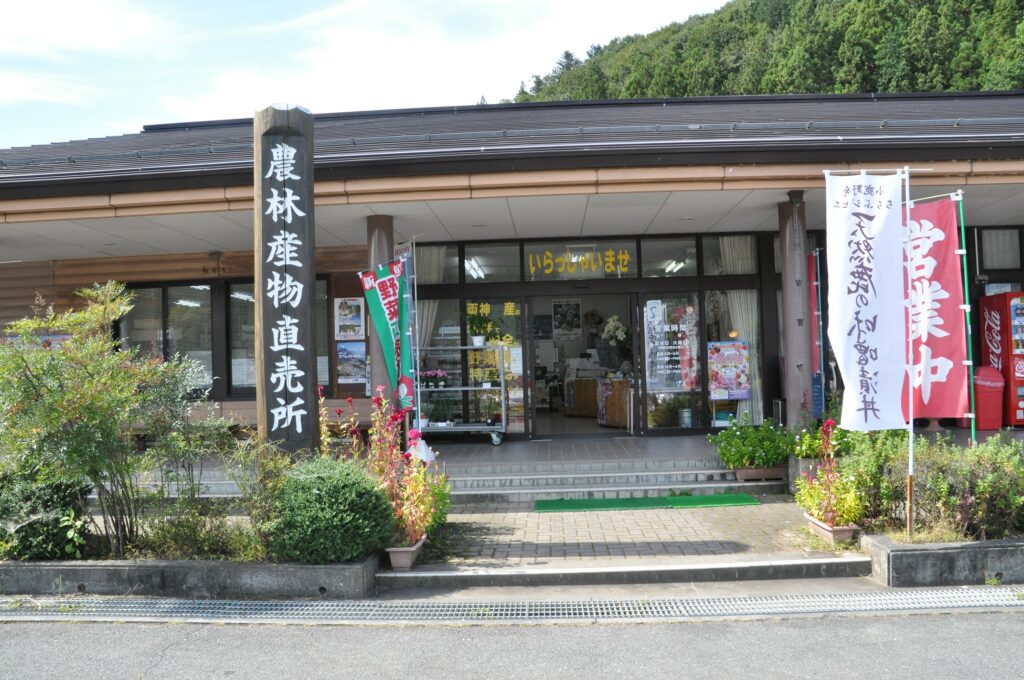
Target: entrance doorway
[[582, 368]]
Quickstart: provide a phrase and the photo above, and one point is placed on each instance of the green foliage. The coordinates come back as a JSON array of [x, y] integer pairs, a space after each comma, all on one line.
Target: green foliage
[[979, 491], [329, 511], [830, 497], [259, 470], [79, 410], [745, 445], [198, 532], [804, 46], [41, 519], [441, 491]]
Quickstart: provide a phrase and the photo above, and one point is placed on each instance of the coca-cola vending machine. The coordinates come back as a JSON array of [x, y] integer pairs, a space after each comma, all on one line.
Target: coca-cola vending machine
[[1002, 347]]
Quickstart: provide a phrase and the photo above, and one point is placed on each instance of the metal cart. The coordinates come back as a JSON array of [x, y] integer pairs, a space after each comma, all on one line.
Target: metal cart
[[497, 430]]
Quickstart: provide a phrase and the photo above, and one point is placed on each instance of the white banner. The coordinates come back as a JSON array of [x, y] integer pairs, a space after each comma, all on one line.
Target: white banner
[[867, 322]]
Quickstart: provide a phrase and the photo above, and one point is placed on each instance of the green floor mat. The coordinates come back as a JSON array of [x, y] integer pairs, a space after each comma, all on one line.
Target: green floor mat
[[586, 504]]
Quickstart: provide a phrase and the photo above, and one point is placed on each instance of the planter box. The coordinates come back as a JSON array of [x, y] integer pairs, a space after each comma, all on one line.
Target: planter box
[[757, 474], [197, 579], [402, 558], [833, 535], [904, 565]]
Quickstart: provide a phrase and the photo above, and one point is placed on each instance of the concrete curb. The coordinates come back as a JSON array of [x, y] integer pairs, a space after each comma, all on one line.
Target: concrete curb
[[190, 579], [944, 564], [721, 571]]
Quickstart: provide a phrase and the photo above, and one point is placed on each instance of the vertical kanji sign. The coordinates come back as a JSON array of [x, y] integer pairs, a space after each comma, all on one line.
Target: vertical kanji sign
[[934, 307], [384, 288], [285, 275], [865, 298]]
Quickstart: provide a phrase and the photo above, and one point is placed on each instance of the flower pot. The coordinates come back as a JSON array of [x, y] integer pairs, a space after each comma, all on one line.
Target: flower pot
[[833, 535], [478, 340], [402, 558], [758, 474]]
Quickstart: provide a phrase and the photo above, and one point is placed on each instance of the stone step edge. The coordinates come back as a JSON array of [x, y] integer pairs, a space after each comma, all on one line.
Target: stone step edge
[[753, 486], [576, 475], [546, 467], [825, 567]]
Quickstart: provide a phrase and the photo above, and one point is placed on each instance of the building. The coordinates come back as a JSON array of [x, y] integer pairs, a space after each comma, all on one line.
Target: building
[[537, 222]]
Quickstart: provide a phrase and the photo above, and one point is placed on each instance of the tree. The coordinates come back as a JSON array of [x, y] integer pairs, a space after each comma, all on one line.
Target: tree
[[567, 61], [79, 407]]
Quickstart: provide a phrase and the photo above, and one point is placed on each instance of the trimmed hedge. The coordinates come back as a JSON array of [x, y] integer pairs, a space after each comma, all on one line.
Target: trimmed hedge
[[329, 511]]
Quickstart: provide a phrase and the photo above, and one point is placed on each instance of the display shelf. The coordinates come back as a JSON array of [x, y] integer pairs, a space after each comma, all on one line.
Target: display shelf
[[468, 359]]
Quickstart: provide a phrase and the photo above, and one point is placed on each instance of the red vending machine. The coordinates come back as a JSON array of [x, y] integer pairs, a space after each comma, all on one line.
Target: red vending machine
[[1002, 347]]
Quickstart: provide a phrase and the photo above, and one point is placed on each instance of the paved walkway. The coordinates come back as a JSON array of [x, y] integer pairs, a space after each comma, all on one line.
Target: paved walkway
[[514, 536]]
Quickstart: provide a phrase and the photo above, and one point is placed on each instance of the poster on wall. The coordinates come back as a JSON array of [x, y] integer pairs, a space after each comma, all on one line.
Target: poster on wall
[[349, 321], [352, 367], [728, 370], [566, 322]]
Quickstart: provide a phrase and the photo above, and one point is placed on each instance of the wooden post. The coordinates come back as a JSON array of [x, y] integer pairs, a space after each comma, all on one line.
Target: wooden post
[[796, 312], [285, 277]]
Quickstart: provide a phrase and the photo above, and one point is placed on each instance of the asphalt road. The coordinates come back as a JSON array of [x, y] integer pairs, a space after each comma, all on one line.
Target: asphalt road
[[931, 645]]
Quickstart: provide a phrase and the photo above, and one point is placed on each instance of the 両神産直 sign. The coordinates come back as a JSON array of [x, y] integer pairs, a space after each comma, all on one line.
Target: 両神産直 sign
[[866, 293], [285, 275]]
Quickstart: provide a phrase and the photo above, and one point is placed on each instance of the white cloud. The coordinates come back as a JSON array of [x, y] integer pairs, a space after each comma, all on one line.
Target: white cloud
[[24, 87], [56, 29], [363, 55]]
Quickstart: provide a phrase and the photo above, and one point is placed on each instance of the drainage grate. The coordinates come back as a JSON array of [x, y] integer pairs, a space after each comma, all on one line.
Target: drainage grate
[[365, 611]]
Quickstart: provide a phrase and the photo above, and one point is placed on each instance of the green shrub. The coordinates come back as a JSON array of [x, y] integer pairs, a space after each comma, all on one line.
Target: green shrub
[[32, 517], [829, 497], [329, 511], [442, 492], [745, 445]]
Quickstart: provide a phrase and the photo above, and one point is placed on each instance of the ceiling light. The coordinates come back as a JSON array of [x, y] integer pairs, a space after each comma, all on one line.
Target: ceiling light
[[200, 287], [245, 297], [187, 303], [474, 269]]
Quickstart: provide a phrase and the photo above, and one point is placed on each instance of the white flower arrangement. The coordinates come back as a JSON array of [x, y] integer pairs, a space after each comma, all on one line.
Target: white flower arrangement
[[615, 333]]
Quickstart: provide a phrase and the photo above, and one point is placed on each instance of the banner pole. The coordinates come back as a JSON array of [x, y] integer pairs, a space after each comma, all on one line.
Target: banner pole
[[821, 319], [910, 355], [959, 198]]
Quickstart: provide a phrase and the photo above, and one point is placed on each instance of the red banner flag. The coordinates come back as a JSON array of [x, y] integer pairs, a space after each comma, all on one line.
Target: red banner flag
[[936, 320]]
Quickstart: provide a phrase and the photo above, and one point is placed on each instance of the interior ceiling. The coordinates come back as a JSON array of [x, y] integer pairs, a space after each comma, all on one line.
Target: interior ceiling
[[586, 216]]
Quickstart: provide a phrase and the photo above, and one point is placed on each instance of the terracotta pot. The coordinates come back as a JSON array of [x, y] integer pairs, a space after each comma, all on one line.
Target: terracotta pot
[[833, 535], [402, 558], [752, 474]]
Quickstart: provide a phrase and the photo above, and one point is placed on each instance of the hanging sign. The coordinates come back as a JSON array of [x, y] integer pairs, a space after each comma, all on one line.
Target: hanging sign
[[384, 289], [937, 329], [865, 298], [728, 370], [285, 275]]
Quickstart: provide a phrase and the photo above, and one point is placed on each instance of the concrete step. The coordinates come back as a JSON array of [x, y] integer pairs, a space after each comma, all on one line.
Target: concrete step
[[526, 495], [500, 466], [791, 567], [587, 479]]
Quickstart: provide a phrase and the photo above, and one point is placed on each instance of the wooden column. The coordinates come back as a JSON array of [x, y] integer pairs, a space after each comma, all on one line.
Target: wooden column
[[380, 246], [285, 276], [796, 323]]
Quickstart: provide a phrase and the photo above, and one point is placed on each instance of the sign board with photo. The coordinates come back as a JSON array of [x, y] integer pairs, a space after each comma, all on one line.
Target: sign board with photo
[[728, 370], [352, 367], [349, 321], [566, 320]]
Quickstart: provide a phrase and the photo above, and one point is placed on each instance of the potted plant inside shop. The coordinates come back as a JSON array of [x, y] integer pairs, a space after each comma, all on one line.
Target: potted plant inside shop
[[490, 409], [478, 326], [438, 411], [754, 452], [831, 503]]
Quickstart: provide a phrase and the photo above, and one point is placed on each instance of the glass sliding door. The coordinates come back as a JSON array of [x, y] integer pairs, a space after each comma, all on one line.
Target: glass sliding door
[[733, 330], [671, 345]]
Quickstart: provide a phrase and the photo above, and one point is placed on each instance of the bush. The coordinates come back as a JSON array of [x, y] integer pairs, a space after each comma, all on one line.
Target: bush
[[329, 511], [32, 517], [829, 497], [745, 445], [442, 492]]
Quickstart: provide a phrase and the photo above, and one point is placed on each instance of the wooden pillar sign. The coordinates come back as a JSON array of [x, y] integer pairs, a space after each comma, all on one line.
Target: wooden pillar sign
[[285, 275]]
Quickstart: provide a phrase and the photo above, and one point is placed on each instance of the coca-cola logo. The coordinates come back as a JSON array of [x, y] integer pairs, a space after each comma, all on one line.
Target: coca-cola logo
[[993, 338]]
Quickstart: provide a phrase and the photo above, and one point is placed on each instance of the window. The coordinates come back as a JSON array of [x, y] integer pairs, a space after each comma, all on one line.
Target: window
[[492, 263], [438, 264], [1000, 248], [242, 335], [729, 255], [669, 257], [175, 320]]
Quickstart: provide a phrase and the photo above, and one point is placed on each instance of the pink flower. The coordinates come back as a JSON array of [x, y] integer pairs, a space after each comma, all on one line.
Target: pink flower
[[338, 412], [320, 390], [415, 434], [349, 400]]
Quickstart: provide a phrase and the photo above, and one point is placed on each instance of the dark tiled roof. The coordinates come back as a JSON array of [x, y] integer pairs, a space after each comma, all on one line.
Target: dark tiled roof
[[417, 139]]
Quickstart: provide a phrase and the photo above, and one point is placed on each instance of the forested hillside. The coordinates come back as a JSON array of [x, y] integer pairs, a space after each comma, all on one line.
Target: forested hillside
[[801, 46]]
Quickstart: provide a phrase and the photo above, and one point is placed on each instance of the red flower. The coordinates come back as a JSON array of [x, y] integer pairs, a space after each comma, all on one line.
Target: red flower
[[338, 412], [349, 400], [406, 456], [320, 390]]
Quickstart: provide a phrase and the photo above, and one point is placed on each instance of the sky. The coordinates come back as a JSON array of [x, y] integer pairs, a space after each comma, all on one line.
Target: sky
[[73, 69]]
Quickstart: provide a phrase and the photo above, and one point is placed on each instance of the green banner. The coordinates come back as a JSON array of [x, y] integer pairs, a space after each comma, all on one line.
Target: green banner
[[385, 298]]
